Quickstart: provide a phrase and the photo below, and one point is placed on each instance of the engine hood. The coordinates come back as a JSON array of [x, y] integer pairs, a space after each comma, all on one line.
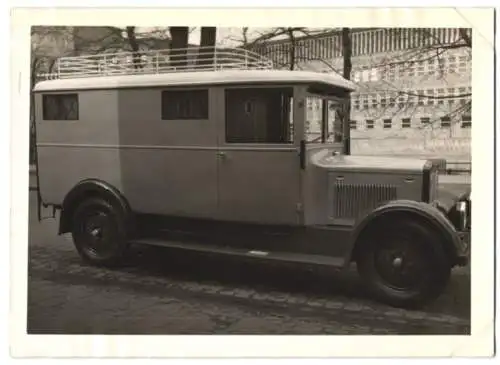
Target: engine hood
[[325, 159]]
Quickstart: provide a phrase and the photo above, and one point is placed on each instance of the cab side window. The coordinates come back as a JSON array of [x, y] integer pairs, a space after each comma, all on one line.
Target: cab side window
[[259, 115], [60, 107]]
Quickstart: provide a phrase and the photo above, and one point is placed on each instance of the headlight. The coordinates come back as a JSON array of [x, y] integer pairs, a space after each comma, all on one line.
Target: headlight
[[463, 215]]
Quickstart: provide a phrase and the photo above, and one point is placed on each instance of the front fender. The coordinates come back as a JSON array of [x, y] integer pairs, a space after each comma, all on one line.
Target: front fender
[[91, 187], [452, 240]]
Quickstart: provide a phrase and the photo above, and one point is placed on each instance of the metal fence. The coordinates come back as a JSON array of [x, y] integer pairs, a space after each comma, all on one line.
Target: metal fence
[[160, 61]]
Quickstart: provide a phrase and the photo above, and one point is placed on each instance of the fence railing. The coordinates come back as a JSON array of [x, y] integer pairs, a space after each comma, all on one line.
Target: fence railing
[[450, 167], [159, 61], [458, 167]]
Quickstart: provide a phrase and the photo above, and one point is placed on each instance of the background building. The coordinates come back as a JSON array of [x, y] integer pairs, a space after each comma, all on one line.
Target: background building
[[414, 86]]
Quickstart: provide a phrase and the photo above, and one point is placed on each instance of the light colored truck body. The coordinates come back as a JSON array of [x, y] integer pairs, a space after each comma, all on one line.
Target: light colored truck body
[[230, 147]]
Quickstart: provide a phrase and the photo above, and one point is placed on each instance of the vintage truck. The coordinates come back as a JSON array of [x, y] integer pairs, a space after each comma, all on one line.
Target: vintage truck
[[221, 158]]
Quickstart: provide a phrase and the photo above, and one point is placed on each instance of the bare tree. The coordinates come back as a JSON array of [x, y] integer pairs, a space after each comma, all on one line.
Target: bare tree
[[293, 45], [292, 54], [46, 44], [432, 51], [346, 107]]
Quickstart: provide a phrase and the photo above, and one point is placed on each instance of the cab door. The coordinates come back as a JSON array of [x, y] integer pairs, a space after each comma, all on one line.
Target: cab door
[[258, 161]]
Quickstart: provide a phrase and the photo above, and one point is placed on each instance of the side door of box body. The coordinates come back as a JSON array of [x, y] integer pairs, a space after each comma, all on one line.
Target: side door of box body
[[259, 178]]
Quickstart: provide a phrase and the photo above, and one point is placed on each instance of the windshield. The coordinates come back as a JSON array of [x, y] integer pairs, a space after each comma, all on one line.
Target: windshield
[[323, 123]]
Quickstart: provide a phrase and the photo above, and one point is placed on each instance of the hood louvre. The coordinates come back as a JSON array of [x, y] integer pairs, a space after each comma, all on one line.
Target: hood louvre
[[352, 200]]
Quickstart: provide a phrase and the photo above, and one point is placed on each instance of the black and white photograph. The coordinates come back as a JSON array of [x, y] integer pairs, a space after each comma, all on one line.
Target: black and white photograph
[[282, 180]]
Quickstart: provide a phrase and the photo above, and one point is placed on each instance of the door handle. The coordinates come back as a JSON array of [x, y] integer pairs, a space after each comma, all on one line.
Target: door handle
[[221, 154]]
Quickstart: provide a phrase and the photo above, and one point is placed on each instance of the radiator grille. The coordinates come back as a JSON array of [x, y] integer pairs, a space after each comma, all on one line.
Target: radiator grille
[[351, 200]]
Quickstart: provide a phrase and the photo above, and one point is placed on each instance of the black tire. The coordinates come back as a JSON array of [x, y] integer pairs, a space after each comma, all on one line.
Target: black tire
[[99, 232], [416, 269]]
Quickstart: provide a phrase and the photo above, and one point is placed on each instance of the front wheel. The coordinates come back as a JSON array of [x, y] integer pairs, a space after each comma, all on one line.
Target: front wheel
[[99, 232], [404, 264]]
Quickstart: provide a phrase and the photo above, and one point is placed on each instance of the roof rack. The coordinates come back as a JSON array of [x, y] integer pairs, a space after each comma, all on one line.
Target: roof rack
[[159, 61]]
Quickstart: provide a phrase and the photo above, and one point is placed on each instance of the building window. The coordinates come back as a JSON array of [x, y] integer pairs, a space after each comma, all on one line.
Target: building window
[[406, 123], [60, 107], [184, 104], [466, 121], [387, 123], [425, 120], [267, 120], [445, 122], [370, 124], [353, 124]]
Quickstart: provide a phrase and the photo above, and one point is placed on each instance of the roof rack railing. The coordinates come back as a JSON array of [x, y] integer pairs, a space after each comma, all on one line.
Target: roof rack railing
[[160, 61]]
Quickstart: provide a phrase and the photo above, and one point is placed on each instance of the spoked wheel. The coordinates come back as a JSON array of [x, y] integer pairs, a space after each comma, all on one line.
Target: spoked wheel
[[404, 264], [99, 232]]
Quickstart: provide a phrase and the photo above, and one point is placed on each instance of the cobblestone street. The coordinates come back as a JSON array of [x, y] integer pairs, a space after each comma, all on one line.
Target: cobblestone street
[[165, 292]]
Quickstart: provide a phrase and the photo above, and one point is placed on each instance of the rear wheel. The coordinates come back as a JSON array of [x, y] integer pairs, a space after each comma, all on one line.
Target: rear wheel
[[403, 263], [99, 232]]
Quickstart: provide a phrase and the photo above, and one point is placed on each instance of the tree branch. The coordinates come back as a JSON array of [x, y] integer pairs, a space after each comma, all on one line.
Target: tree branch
[[465, 36]]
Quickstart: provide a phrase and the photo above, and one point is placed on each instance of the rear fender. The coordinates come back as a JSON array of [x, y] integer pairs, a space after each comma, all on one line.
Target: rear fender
[[85, 189], [417, 210]]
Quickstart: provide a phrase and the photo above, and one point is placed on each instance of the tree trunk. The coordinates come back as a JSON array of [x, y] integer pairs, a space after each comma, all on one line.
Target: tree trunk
[[465, 36], [134, 45], [178, 46], [346, 109], [292, 48], [207, 46]]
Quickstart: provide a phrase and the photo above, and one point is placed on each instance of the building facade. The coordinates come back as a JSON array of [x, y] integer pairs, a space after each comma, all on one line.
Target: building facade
[[414, 93]]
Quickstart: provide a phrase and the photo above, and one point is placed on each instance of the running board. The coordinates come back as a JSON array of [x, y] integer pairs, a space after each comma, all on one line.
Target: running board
[[277, 256]]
